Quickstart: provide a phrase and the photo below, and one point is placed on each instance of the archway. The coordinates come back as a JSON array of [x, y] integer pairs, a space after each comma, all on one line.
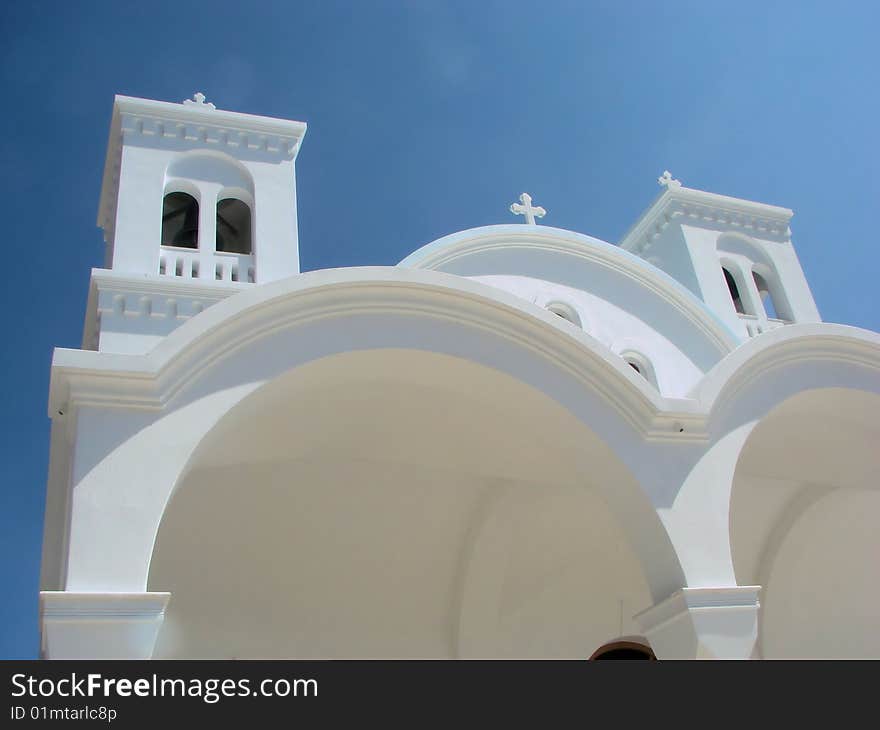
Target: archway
[[804, 510], [396, 503]]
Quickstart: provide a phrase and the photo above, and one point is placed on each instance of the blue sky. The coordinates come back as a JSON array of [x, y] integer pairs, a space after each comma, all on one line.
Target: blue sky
[[426, 118]]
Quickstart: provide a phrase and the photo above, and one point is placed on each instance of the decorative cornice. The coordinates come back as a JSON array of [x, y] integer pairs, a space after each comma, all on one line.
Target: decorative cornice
[[194, 294], [105, 279], [210, 126], [698, 207]]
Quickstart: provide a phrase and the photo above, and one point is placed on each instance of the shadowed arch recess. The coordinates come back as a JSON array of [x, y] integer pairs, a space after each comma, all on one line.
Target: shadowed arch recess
[[342, 496], [804, 506]]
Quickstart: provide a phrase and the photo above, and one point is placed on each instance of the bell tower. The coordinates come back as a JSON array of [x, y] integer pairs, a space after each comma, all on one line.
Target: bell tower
[[196, 204], [736, 255]]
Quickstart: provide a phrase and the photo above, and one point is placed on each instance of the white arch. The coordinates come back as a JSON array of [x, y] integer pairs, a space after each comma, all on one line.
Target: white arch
[[205, 367], [813, 451]]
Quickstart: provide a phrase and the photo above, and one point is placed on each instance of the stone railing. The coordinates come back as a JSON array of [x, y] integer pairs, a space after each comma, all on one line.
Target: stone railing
[[189, 263], [757, 325]]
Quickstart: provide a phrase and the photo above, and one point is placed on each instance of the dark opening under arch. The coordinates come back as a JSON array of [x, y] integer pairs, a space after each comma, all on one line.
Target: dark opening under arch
[[624, 650], [734, 291], [180, 220], [233, 226], [767, 298]]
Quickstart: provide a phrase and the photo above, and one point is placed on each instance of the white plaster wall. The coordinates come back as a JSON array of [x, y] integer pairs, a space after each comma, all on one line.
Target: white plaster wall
[[822, 596], [701, 245], [617, 329], [571, 583], [589, 265], [669, 252], [138, 227]]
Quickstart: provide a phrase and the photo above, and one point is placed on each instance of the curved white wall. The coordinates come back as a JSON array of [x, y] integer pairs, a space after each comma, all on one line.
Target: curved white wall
[[616, 328]]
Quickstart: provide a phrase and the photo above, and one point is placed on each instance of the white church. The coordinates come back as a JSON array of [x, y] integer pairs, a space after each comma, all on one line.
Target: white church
[[518, 442]]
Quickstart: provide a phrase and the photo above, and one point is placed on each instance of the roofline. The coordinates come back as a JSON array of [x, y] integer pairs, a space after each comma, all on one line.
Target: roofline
[[464, 243], [205, 114]]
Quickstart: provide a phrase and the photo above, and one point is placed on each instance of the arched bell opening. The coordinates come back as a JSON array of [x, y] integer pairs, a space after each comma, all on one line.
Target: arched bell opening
[[180, 220], [234, 227]]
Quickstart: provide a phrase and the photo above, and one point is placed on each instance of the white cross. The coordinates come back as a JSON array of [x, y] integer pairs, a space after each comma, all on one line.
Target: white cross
[[668, 181], [527, 210], [199, 100]]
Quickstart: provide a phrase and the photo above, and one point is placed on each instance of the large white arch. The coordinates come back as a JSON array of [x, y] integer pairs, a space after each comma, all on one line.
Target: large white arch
[[207, 366], [735, 396], [257, 540]]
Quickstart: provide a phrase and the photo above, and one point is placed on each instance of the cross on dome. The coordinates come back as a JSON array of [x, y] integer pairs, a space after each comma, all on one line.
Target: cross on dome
[[668, 181], [199, 100], [525, 208]]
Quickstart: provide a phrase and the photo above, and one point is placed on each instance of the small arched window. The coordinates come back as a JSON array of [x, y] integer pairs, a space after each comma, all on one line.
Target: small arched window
[[766, 295], [641, 364], [233, 226], [565, 311], [180, 220], [734, 291]]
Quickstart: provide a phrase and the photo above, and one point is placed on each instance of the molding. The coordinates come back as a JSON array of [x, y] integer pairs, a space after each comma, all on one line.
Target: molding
[[688, 600], [150, 381], [685, 205], [195, 294], [204, 115], [593, 250], [782, 347], [100, 625], [105, 279], [66, 605]]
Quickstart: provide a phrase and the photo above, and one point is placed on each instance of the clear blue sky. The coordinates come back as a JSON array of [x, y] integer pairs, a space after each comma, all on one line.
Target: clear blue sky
[[426, 118]]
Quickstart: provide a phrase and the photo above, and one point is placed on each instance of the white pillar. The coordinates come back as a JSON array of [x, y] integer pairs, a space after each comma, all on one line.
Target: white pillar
[[100, 625], [704, 623]]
